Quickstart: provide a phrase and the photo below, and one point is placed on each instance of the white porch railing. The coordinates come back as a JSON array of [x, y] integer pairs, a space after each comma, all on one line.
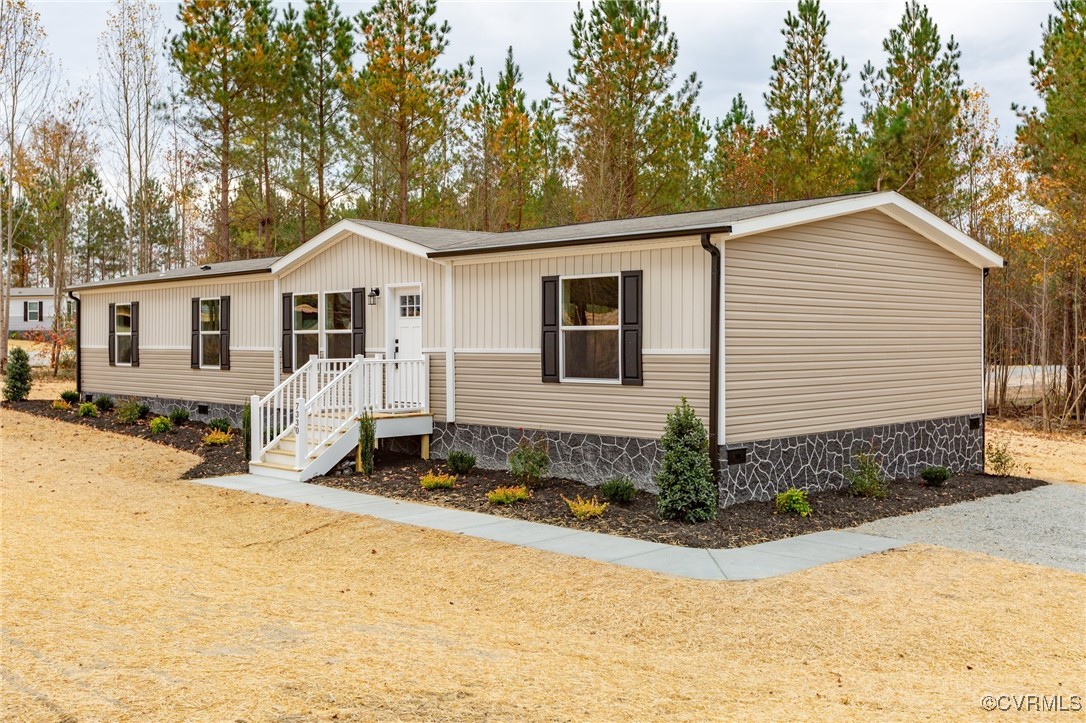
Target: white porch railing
[[325, 396]]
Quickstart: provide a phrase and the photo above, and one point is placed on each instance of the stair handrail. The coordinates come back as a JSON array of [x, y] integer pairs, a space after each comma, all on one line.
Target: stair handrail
[[272, 416], [337, 394]]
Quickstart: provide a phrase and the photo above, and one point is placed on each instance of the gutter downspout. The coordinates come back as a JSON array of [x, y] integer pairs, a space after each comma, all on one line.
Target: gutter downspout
[[78, 343], [714, 353]]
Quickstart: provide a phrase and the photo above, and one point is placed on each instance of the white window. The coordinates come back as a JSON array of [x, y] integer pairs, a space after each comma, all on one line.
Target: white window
[[122, 322], [589, 324], [410, 305], [337, 325], [33, 310], [307, 331], [210, 328]]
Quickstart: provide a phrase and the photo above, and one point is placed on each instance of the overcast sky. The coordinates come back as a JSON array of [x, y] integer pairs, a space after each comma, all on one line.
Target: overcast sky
[[729, 44]]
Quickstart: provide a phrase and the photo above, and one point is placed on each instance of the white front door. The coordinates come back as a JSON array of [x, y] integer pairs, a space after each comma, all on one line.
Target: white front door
[[407, 323]]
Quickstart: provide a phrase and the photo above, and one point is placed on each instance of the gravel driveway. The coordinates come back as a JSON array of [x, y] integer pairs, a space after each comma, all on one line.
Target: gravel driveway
[[1046, 526]]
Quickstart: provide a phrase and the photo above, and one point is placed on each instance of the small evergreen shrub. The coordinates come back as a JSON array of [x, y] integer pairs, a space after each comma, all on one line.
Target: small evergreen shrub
[[367, 444], [221, 424], [128, 412], [18, 384], [792, 500], [508, 495], [61, 404], [246, 428], [217, 438], [935, 476], [687, 489], [866, 479], [87, 409], [530, 461], [104, 403], [619, 489], [178, 416], [71, 396], [435, 481], [1000, 460], [161, 425], [460, 462], [584, 509], [143, 409]]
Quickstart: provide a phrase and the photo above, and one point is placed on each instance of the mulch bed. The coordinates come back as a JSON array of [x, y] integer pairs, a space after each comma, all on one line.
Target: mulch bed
[[736, 526], [218, 460], [397, 476]]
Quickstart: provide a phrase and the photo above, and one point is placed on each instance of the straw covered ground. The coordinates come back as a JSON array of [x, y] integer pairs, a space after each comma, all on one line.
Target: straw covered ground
[[129, 594]]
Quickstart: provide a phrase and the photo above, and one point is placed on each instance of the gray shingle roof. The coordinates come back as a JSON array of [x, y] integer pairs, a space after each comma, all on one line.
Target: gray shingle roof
[[212, 270]]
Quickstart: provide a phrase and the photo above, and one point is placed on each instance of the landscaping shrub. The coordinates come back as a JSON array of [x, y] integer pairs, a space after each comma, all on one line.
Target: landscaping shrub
[[87, 409], [866, 479], [367, 444], [619, 489], [1000, 460], [71, 396], [128, 412], [435, 481], [508, 495], [217, 438], [584, 509], [221, 424], [460, 462], [792, 500], [685, 479], [161, 425], [61, 404], [530, 461], [143, 409], [935, 476], [246, 428], [18, 384], [178, 416], [104, 403]]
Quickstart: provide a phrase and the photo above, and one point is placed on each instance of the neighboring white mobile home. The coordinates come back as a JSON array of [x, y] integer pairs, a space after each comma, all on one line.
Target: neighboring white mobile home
[[839, 325], [31, 308]]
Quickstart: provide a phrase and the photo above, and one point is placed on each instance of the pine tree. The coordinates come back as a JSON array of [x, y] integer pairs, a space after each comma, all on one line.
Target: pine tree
[[808, 152], [910, 111], [634, 138], [687, 489], [19, 382], [738, 166]]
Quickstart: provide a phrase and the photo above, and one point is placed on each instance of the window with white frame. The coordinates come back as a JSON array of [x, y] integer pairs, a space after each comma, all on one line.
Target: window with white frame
[[410, 305], [337, 325], [307, 331], [589, 325], [33, 310], [210, 333], [122, 322]]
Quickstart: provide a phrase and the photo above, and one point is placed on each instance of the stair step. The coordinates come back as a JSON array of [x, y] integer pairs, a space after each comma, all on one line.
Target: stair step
[[273, 465]]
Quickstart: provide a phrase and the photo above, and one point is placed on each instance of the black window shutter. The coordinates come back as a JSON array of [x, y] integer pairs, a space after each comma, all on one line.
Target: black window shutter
[[288, 327], [358, 322], [549, 341], [631, 328], [135, 333], [224, 332], [194, 352], [113, 335], [26, 311]]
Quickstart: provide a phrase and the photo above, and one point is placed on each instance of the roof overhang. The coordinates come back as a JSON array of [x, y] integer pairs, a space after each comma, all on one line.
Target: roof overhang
[[99, 285], [676, 232], [892, 204], [338, 231]]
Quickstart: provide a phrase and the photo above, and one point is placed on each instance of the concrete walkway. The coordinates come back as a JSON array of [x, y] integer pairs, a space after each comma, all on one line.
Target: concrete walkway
[[767, 559]]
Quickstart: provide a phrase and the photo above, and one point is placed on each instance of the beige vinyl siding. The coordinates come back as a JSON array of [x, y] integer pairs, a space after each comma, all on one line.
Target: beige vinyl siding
[[506, 390], [847, 323], [437, 386], [354, 262], [166, 373], [166, 314], [498, 303]]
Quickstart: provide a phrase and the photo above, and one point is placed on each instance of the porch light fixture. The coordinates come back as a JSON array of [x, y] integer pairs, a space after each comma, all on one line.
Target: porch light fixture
[[372, 296]]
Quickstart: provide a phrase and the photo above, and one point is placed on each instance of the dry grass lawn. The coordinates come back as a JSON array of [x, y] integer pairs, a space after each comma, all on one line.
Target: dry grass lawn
[[131, 595], [1054, 457]]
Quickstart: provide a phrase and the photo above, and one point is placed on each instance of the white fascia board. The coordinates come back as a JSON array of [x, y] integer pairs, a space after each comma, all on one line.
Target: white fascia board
[[337, 230], [892, 204]]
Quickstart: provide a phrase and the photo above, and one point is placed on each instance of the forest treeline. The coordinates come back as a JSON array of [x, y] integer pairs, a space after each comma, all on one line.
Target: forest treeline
[[254, 127]]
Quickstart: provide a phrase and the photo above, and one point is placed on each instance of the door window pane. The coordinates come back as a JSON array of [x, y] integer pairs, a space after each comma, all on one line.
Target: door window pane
[[209, 315], [305, 312], [124, 349], [410, 305], [124, 318], [211, 348], [590, 302], [337, 311], [339, 346], [305, 345], [591, 354]]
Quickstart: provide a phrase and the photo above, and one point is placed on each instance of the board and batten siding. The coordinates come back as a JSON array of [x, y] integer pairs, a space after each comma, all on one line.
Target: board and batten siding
[[355, 261], [166, 314], [848, 323], [166, 373], [498, 303], [506, 390]]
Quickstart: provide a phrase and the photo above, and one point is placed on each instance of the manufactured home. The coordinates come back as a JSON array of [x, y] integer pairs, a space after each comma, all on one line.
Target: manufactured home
[[31, 308], [802, 333]]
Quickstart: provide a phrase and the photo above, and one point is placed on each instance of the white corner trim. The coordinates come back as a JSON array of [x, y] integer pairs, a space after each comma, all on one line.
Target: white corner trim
[[450, 346]]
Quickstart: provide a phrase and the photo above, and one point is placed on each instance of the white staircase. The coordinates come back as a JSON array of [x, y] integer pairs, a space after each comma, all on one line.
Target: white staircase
[[308, 423]]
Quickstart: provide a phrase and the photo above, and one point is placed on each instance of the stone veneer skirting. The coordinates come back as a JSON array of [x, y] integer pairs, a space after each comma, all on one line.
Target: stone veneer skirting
[[811, 462], [163, 405]]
